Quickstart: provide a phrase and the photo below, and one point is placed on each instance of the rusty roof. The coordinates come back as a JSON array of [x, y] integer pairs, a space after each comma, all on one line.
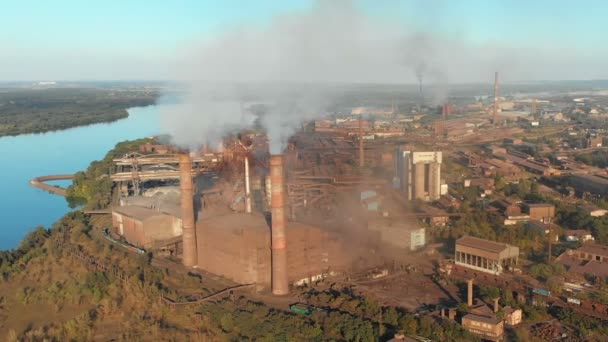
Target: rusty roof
[[486, 245]]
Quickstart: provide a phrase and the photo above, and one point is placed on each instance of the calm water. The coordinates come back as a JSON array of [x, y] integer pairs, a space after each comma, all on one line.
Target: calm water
[[24, 157]]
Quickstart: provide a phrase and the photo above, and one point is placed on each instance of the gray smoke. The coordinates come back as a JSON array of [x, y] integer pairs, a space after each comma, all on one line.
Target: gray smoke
[[204, 116], [333, 42]]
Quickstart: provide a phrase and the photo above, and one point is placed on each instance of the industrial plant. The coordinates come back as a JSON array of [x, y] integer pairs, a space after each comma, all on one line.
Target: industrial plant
[[441, 211]]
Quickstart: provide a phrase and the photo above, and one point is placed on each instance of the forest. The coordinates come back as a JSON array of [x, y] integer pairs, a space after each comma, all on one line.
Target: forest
[[25, 111]]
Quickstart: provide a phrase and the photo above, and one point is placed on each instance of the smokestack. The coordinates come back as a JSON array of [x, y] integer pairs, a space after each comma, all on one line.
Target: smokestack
[[361, 156], [279, 242], [187, 210], [268, 186], [496, 307], [470, 292], [247, 188], [495, 114]]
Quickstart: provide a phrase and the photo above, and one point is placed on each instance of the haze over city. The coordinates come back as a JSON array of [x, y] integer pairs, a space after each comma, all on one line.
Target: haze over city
[[140, 40], [304, 170]]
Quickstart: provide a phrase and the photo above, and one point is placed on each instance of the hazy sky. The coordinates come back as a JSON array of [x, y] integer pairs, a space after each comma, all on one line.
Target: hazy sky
[[101, 40]]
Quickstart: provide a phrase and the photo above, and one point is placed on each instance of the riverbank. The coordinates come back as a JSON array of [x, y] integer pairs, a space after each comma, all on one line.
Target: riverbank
[[39, 182], [60, 152]]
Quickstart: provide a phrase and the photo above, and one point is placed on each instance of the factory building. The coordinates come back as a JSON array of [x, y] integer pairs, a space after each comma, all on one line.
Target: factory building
[[482, 319], [540, 211], [145, 227], [590, 183], [488, 328], [406, 235], [418, 174], [238, 246], [485, 255]]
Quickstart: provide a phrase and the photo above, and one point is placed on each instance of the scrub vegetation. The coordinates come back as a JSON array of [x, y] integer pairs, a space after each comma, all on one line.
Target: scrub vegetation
[[49, 293]]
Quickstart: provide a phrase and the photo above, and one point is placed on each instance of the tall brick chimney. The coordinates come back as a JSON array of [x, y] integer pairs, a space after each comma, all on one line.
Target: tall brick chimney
[[280, 284], [470, 292], [187, 210]]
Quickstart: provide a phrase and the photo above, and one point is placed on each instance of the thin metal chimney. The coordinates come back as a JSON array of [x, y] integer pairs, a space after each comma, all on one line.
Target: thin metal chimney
[[361, 156], [496, 306], [247, 187], [187, 210], [280, 285], [495, 114], [470, 292]]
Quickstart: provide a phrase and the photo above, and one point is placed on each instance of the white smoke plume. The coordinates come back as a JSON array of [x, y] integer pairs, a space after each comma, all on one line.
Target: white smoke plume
[[332, 42]]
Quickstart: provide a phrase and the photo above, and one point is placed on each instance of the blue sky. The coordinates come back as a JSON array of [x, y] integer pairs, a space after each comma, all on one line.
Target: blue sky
[[70, 39]]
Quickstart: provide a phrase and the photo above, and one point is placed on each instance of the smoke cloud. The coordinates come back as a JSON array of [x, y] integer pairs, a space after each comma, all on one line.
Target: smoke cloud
[[332, 42]]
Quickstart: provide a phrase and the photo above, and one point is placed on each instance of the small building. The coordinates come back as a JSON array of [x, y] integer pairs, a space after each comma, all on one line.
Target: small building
[[485, 255], [542, 228], [540, 211], [511, 209], [494, 149], [449, 201], [493, 166], [589, 259], [487, 328], [595, 141], [436, 216], [154, 148], [594, 211], [512, 316], [591, 251], [581, 235], [513, 141], [485, 185], [399, 233], [145, 227]]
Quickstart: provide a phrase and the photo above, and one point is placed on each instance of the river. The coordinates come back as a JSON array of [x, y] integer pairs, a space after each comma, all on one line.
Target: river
[[23, 207]]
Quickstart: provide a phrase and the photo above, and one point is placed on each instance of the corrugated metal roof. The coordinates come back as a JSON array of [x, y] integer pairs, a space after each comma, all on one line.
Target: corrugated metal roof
[[478, 243]]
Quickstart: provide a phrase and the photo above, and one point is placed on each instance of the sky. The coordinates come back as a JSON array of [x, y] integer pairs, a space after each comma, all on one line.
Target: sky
[[151, 40]]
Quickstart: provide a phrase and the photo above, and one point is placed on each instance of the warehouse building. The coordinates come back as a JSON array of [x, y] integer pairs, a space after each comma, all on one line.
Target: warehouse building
[[485, 255], [590, 183]]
